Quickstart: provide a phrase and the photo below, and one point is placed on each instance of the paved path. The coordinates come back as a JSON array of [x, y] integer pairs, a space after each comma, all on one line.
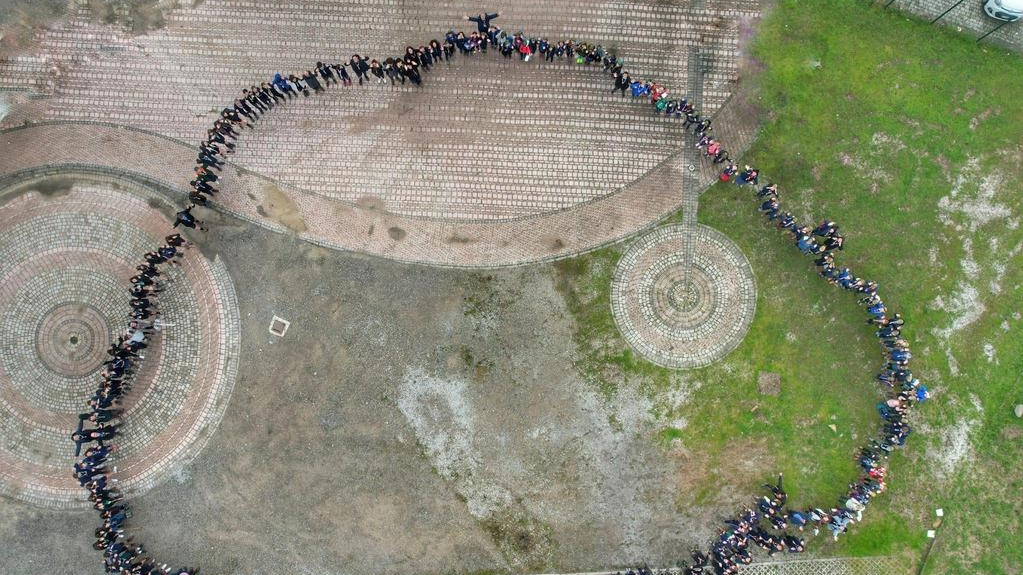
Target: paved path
[[361, 227], [405, 174], [688, 160], [827, 566], [833, 566]]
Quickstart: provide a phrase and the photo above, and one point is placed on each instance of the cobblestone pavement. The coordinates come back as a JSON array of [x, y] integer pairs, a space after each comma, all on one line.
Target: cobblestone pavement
[[833, 566], [828, 566], [966, 17], [67, 247], [492, 163], [679, 315]]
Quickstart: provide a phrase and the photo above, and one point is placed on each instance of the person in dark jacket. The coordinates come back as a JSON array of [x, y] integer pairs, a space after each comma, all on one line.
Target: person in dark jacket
[[300, 84], [185, 218], [99, 435], [360, 67], [413, 74], [378, 70], [312, 81], [342, 73], [326, 73], [482, 21]]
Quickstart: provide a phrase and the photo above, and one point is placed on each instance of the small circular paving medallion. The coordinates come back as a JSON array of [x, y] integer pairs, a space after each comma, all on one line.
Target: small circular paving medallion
[[678, 315], [71, 339], [65, 260]]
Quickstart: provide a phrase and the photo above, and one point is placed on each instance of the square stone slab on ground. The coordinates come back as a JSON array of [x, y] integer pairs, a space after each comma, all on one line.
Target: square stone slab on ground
[[279, 326]]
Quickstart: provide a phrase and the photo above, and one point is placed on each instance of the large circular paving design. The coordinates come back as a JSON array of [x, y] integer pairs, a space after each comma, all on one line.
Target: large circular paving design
[[67, 249], [678, 315]]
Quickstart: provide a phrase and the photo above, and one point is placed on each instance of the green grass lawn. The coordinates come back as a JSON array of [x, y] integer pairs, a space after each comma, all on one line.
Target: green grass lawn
[[910, 137]]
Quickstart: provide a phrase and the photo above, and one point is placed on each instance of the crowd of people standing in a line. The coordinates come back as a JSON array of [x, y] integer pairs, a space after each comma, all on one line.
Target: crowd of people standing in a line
[[99, 426], [769, 524]]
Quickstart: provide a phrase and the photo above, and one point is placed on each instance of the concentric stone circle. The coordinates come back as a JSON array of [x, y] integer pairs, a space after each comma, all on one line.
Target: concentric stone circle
[[67, 248], [683, 316], [71, 338]]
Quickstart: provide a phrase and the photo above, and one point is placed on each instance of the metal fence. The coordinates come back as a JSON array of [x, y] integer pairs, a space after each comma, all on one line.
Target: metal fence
[[966, 16]]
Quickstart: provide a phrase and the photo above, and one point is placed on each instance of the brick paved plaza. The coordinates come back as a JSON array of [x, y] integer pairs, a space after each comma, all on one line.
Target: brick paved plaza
[[64, 256], [492, 163]]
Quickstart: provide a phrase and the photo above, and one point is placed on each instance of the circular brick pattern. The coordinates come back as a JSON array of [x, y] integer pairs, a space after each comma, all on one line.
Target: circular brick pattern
[[678, 315], [65, 260], [70, 339]]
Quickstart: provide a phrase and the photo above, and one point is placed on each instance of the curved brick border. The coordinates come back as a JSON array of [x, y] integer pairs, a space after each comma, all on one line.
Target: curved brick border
[[61, 275], [680, 316]]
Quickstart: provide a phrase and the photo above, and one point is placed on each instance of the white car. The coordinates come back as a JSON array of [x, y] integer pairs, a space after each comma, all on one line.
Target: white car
[[1006, 10]]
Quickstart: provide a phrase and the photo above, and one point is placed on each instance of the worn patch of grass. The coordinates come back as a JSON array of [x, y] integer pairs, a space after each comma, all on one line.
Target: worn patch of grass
[[910, 137], [139, 16], [585, 283]]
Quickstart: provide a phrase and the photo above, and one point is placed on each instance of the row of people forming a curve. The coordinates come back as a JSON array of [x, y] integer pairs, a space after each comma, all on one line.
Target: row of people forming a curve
[[769, 523], [99, 426]]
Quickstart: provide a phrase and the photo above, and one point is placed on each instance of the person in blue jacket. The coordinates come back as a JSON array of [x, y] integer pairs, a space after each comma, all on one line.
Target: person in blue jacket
[[639, 89]]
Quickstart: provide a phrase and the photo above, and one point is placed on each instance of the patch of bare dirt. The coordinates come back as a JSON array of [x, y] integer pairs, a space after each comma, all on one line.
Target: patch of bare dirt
[[954, 448], [969, 208], [280, 208], [724, 483], [869, 166], [769, 383]]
